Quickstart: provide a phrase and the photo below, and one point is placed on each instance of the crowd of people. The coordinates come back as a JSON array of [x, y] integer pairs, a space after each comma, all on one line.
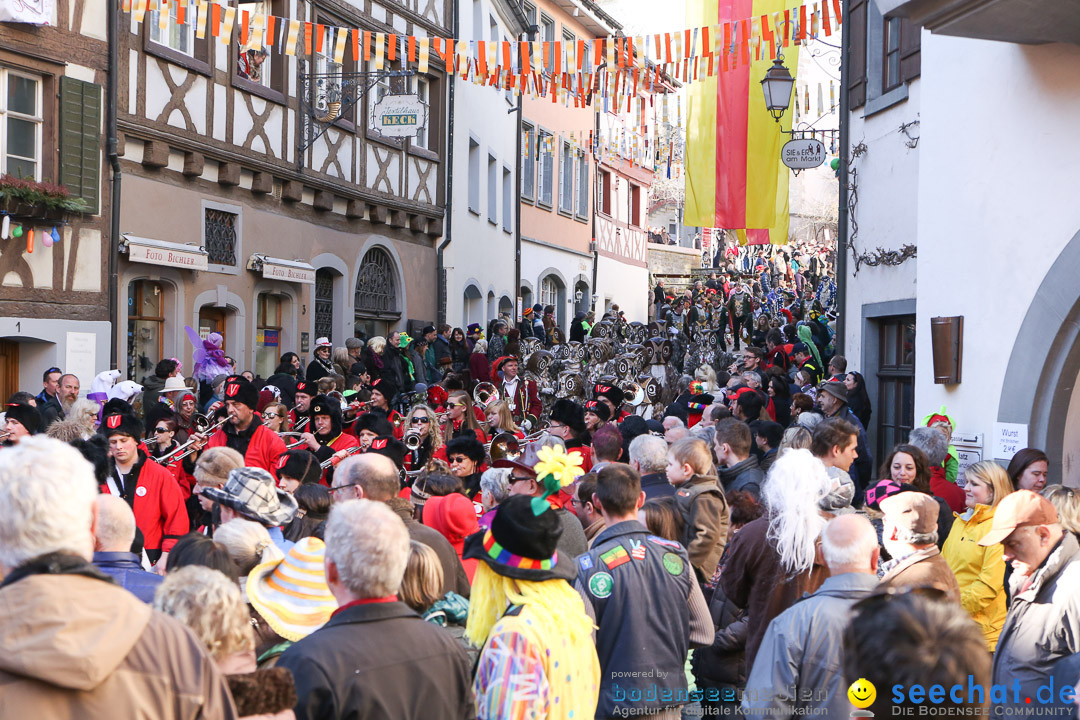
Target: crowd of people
[[423, 526]]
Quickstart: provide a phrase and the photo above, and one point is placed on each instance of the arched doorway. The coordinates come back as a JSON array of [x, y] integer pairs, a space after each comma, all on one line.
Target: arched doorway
[[526, 296], [506, 305], [473, 306], [1043, 374], [583, 302], [376, 305], [490, 306], [553, 292]]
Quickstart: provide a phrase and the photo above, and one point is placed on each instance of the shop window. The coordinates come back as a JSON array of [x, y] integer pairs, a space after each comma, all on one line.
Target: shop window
[[146, 321], [268, 334]]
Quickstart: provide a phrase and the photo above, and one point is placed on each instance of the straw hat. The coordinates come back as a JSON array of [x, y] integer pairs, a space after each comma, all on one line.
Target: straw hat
[[291, 594]]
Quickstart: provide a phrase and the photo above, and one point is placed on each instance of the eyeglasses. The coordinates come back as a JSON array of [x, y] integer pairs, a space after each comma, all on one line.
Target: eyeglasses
[[271, 415], [418, 420], [342, 487], [518, 478]]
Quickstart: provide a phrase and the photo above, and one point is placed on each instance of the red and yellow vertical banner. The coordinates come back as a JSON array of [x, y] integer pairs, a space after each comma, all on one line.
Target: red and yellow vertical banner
[[735, 178]]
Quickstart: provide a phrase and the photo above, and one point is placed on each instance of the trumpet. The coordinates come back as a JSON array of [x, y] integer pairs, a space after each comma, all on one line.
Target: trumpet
[[413, 440], [202, 427], [4, 435]]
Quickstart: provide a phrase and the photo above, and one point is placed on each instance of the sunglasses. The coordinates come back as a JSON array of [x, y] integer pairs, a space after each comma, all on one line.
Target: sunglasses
[[458, 460], [451, 406], [161, 429], [418, 420]]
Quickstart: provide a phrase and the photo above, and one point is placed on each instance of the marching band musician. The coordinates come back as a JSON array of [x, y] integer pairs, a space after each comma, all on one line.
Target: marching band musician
[[501, 420], [20, 421], [568, 424], [371, 425], [150, 490], [325, 437], [596, 414], [466, 455], [383, 392], [165, 442], [459, 414], [297, 467], [305, 393], [244, 431], [421, 421], [521, 395], [612, 396]]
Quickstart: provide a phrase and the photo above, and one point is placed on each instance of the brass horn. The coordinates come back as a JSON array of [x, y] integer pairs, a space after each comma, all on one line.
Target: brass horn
[[633, 393], [484, 393], [504, 446], [413, 440]]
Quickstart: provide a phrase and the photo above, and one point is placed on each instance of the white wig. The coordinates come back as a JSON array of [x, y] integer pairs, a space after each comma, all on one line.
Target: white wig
[[797, 482], [47, 492]]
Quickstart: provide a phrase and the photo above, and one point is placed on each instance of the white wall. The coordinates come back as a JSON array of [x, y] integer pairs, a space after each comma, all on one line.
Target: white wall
[[478, 250], [886, 213], [997, 201], [537, 261], [626, 285]]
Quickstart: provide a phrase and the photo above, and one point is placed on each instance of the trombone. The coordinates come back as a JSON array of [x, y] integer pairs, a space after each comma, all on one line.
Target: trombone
[[293, 445], [326, 464], [203, 428]]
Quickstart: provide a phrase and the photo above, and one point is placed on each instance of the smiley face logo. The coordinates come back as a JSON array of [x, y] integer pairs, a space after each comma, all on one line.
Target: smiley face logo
[[862, 693]]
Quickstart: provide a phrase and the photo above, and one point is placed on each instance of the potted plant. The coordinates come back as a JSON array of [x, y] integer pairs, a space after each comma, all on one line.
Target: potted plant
[[33, 200]]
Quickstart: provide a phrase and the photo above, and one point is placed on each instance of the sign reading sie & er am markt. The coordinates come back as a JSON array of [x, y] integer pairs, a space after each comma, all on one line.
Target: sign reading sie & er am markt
[[803, 153]]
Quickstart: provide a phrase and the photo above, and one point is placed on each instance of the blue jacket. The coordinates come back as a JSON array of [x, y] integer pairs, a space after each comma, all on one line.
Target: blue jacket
[[639, 585], [124, 568]]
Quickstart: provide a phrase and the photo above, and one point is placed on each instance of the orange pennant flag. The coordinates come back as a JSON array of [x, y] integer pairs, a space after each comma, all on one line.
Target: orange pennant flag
[[391, 48], [270, 28]]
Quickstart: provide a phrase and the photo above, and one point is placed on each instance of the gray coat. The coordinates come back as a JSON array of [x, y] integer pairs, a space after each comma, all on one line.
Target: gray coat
[[799, 665], [1043, 624]]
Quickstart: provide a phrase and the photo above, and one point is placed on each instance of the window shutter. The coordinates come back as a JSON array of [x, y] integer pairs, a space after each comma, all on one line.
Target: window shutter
[[856, 63], [80, 140], [910, 50]]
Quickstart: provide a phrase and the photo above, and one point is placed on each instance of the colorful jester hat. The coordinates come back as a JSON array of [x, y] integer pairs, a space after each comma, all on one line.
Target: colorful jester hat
[[557, 469], [941, 414]]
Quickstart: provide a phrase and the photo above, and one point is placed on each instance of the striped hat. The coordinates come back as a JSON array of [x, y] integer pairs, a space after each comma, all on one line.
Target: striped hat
[[291, 594]]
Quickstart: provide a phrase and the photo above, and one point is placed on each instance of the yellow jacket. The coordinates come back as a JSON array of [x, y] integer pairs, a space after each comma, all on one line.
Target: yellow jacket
[[980, 571]]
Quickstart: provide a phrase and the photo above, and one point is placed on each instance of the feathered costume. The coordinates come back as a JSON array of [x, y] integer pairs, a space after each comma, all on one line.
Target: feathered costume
[[209, 357]]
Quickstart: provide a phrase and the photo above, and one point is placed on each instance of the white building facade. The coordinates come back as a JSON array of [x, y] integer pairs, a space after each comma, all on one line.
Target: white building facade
[[479, 262], [991, 209]]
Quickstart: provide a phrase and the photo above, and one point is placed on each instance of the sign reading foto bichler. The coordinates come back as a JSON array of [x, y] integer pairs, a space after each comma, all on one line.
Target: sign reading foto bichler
[[400, 115], [803, 153]]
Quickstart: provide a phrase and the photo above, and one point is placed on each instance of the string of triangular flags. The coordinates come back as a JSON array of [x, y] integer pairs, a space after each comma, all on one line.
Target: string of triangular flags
[[611, 69]]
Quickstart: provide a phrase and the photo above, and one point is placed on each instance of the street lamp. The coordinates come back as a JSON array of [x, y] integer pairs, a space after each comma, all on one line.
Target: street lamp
[[777, 85]]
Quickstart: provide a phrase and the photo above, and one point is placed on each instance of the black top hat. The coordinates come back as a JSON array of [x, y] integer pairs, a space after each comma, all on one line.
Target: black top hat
[[391, 447], [239, 389], [570, 414], [521, 544]]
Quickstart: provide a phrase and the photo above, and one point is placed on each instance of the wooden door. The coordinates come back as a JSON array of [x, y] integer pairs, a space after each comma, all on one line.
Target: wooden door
[[213, 320], [9, 369]]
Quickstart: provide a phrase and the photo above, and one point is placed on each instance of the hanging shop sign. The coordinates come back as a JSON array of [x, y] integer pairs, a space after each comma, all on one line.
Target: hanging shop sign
[[400, 115], [278, 269], [159, 252], [31, 12], [803, 153]]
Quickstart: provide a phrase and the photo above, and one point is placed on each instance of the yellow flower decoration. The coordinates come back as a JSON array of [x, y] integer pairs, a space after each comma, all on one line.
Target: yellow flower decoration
[[563, 466]]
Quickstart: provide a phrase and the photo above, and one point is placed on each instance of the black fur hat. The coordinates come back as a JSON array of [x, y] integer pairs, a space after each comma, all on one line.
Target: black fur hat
[[25, 415], [375, 422], [322, 405], [569, 413]]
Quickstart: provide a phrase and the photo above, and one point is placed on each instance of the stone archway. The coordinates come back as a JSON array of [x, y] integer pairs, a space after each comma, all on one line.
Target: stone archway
[[1044, 365]]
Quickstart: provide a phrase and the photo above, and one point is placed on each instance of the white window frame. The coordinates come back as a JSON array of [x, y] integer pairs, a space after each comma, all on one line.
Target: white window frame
[[236, 210], [174, 32], [547, 23], [546, 198], [493, 189], [379, 90], [266, 69], [38, 119], [581, 209], [528, 162], [549, 291], [508, 199], [474, 176], [566, 178], [421, 87]]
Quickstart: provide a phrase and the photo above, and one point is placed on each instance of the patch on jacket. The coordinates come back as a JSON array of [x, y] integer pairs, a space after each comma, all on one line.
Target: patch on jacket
[[585, 562], [637, 549], [673, 563], [663, 541], [615, 557], [601, 584]]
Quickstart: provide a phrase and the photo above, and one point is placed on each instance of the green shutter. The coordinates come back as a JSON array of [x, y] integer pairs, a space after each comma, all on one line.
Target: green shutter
[[80, 139]]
